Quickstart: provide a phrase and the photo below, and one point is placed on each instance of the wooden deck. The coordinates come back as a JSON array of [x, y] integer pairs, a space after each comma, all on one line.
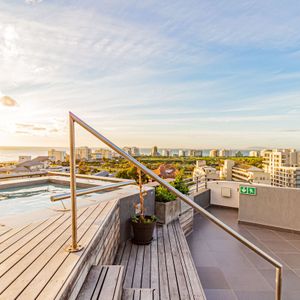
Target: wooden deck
[[166, 266], [33, 260]]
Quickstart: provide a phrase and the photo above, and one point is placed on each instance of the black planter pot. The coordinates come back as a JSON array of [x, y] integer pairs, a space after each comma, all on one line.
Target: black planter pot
[[143, 232]]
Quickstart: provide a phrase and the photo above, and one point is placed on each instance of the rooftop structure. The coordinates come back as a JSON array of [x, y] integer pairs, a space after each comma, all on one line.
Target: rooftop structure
[[57, 155], [246, 173], [213, 153], [280, 164]]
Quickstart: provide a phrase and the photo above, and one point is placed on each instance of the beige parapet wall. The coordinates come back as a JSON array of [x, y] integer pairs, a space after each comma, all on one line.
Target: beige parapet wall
[[272, 206]]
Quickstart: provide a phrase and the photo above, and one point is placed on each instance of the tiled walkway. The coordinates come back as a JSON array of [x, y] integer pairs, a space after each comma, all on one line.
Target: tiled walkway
[[229, 270]]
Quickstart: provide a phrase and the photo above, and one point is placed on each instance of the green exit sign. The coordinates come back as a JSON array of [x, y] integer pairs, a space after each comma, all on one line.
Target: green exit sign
[[248, 190]]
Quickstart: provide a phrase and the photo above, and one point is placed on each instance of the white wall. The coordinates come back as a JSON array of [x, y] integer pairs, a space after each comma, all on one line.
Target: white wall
[[216, 197]]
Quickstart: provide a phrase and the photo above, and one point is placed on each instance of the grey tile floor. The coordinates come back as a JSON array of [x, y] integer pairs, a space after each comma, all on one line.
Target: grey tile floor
[[229, 270]]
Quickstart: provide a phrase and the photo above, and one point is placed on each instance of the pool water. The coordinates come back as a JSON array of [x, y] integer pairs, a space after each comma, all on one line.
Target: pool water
[[29, 198]]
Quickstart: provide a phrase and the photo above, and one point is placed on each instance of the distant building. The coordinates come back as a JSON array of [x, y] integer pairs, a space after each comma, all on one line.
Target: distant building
[[83, 153], [24, 158], [56, 155], [223, 153], [127, 150], [286, 177], [202, 172], [194, 153], [154, 151], [36, 164], [213, 153], [282, 165], [135, 151], [166, 171], [165, 153], [254, 153], [181, 153], [246, 173], [101, 153]]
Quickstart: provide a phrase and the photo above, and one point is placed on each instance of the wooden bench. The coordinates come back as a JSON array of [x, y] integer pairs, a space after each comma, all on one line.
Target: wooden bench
[[102, 283], [138, 294], [165, 266]]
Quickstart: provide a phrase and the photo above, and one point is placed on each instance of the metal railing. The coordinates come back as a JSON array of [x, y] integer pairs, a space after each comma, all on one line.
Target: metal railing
[[75, 247]]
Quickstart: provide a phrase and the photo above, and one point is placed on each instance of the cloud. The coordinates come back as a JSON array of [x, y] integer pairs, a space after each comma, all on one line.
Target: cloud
[[33, 1], [8, 101]]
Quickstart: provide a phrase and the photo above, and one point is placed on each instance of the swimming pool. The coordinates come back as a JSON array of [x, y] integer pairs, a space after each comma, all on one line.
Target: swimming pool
[[30, 198]]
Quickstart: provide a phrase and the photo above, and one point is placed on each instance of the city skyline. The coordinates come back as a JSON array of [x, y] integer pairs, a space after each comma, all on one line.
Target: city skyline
[[172, 74]]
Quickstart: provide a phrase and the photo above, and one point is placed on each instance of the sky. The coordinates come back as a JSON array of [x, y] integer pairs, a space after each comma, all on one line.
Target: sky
[[192, 74]]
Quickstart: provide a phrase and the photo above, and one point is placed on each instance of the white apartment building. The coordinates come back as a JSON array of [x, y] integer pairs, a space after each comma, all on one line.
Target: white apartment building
[[223, 153], [213, 153], [181, 153], [244, 173], [194, 153], [286, 177], [202, 172], [83, 153], [135, 151], [254, 153], [102, 153], [165, 153], [282, 165], [56, 155]]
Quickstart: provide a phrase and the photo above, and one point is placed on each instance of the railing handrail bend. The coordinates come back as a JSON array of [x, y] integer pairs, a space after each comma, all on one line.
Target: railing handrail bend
[[186, 199]]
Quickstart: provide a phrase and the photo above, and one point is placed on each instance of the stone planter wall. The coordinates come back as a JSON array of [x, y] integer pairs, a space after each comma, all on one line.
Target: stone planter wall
[[167, 211]]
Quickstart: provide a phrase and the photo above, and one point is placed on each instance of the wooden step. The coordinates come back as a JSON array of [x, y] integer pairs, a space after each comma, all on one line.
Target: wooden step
[[103, 283], [138, 294]]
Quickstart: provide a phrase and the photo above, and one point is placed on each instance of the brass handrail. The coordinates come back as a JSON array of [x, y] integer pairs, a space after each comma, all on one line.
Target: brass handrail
[[75, 247]]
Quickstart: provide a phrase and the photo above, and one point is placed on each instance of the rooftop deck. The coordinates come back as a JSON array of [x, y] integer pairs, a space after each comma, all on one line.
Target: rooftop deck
[[165, 266], [229, 270], [33, 260]]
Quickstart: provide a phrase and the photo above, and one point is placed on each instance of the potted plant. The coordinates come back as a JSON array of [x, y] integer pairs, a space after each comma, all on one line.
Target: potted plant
[[142, 225], [167, 205]]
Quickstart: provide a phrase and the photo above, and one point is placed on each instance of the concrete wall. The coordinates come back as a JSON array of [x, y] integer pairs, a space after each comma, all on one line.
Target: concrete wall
[[216, 197], [127, 210], [272, 206], [202, 198]]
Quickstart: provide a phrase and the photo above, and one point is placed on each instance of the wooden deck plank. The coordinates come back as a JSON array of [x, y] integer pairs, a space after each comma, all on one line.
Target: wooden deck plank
[[11, 233], [192, 272], [33, 238], [181, 280], [88, 288], [154, 274], [138, 271], [9, 261], [26, 270], [118, 258], [163, 278], [172, 279], [172, 272], [130, 267], [99, 284], [146, 276], [51, 259], [64, 264], [28, 231], [4, 230], [109, 289]]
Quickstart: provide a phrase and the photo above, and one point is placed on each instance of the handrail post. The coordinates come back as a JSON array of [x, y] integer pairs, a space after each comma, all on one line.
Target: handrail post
[[74, 247], [278, 283]]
